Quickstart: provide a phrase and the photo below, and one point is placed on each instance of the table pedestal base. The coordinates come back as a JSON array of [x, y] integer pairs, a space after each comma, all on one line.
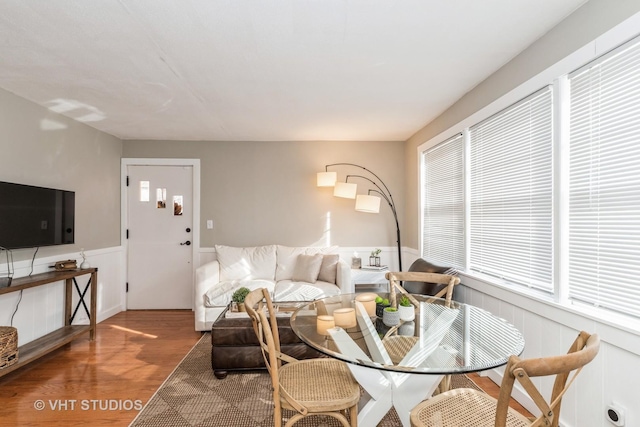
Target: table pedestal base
[[389, 389]]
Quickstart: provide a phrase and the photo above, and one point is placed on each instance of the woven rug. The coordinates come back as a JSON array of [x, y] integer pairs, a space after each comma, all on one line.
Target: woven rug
[[193, 396]]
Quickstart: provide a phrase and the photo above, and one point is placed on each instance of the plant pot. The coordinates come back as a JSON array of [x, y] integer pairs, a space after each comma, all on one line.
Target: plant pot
[[390, 318], [407, 329], [407, 313], [380, 308]]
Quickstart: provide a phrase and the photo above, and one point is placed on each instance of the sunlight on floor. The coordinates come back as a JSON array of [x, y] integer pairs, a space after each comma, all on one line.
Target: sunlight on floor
[[133, 332]]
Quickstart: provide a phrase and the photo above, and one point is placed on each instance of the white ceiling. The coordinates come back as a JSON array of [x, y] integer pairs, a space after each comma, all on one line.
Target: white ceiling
[[257, 70]]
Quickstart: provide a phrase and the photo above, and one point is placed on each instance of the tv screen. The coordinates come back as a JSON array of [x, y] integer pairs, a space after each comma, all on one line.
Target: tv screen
[[35, 216]]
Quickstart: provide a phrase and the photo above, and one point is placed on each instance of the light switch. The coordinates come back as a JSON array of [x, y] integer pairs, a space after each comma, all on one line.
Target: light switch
[[209, 224]]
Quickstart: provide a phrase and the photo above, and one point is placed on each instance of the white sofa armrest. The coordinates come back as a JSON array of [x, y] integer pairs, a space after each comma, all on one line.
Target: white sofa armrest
[[207, 275], [343, 278]]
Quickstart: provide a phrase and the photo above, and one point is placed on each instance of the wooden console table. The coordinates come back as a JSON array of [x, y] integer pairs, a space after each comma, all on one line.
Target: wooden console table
[[56, 339]]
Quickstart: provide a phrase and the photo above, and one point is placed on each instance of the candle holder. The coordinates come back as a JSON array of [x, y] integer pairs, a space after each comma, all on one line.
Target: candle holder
[[324, 323], [345, 317], [368, 300]]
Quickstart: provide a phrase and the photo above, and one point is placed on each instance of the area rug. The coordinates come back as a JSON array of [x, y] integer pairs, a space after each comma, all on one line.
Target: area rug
[[193, 396]]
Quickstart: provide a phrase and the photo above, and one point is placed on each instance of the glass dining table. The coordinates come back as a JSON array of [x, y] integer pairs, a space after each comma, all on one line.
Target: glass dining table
[[399, 365]]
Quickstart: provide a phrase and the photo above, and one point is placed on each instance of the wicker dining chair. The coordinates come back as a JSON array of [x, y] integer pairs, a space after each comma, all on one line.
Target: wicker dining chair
[[395, 279], [393, 342], [468, 407], [307, 387]]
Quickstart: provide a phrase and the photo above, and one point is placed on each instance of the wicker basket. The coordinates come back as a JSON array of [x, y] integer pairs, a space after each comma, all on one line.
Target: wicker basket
[[8, 346]]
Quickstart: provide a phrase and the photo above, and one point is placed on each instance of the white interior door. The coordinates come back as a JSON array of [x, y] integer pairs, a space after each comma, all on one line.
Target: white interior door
[[160, 230]]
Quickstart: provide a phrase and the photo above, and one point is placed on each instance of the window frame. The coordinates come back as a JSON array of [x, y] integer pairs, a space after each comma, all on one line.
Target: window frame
[[555, 75]]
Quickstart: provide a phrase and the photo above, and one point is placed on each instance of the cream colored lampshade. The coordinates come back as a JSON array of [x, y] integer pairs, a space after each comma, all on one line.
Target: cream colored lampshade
[[326, 179], [345, 317], [324, 323], [345, 189], [366, 203]]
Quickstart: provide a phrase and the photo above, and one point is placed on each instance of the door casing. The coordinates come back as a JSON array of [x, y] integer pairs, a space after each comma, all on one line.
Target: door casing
[[195, 247]]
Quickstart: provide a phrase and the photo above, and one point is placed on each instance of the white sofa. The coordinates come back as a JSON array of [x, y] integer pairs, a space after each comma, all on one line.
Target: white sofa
[[290, 274]]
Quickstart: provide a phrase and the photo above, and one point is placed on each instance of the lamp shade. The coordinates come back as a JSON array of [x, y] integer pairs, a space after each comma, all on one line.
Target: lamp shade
[[366, 203], [345, 189], [326, 179]]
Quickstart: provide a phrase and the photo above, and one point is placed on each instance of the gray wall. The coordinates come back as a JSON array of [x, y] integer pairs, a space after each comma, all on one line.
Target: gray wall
[[42, 148], [265, 192], [581, 27]]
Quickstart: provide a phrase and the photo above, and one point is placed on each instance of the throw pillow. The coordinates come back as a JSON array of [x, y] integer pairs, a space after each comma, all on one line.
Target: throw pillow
[[329, 268], [307, 268]]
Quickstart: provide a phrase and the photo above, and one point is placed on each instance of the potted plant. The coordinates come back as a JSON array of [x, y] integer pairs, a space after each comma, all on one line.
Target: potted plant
[[374, 258], [238, 297], [406, 309], [381, 303], [390, 316]]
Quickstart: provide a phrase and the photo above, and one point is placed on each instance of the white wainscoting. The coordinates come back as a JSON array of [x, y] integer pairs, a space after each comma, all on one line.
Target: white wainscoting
[[549, 330], [41, 309]]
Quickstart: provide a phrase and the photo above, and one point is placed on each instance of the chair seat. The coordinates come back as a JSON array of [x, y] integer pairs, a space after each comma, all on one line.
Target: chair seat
[[398, 346], [462, 407], [319, 384]]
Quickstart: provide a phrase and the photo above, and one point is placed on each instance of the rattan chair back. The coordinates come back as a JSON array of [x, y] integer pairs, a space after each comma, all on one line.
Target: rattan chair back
[[470, 407], [307, 387], [396, 278], [582, 351], [395, 286]]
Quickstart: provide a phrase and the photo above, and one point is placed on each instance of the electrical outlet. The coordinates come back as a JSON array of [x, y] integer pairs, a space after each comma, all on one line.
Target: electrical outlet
[[615, 415], [209, 224]]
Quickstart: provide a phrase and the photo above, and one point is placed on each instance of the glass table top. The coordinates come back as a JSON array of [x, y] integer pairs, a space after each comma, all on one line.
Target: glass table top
[[439, 340]]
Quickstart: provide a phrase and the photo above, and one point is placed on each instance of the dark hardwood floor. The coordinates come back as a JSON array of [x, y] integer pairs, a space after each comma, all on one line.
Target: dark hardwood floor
[[105, 382]]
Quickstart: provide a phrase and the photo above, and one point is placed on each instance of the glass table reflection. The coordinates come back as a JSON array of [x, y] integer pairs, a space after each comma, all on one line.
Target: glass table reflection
[[441, 339]]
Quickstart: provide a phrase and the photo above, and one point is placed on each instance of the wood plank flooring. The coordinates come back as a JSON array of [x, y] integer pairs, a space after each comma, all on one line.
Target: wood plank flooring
[[132, 355], [105, 382]]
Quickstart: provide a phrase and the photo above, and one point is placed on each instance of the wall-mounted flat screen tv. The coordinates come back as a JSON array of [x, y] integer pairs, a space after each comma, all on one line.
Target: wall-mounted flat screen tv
[[35, 216]]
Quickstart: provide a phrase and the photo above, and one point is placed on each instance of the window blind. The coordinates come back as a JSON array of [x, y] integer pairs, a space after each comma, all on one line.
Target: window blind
[[511, 193], [604, 182], [443, 209]]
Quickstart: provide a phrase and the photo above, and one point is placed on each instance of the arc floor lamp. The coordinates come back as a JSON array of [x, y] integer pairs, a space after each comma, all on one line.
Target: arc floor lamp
[[369, 202]]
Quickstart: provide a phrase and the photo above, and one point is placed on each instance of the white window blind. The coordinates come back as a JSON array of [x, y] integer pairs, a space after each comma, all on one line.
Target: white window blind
[[443, 210], [604, 179], [511, 193]]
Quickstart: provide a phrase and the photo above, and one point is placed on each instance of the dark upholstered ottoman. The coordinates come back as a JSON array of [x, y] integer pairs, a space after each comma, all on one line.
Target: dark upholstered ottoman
[[234, 345]]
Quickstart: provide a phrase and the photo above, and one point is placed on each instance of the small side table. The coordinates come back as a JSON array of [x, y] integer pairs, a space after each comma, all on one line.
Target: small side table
[[364, 279]]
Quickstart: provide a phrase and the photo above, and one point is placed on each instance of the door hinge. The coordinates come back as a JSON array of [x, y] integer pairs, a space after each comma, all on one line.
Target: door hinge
[[127, 287], [127, 180], [127, 233]]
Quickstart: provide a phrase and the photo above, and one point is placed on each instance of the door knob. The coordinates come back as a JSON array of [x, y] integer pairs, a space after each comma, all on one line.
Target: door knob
[[188, 242]]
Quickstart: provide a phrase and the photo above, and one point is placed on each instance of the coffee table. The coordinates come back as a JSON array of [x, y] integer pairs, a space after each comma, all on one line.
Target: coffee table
[[234, 346]]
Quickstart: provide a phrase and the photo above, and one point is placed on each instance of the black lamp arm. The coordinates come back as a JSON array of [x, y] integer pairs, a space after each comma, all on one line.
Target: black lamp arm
[[395, 217], [386, 194]]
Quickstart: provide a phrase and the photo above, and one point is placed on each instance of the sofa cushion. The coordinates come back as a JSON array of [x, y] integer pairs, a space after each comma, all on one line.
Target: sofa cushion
[[329, 268], [220, 295], [307, 268], [288, 256], [288, 290], [246, 263]]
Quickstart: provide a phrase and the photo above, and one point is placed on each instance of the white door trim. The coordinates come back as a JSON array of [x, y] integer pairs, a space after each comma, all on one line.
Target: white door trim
[[195, 247]]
